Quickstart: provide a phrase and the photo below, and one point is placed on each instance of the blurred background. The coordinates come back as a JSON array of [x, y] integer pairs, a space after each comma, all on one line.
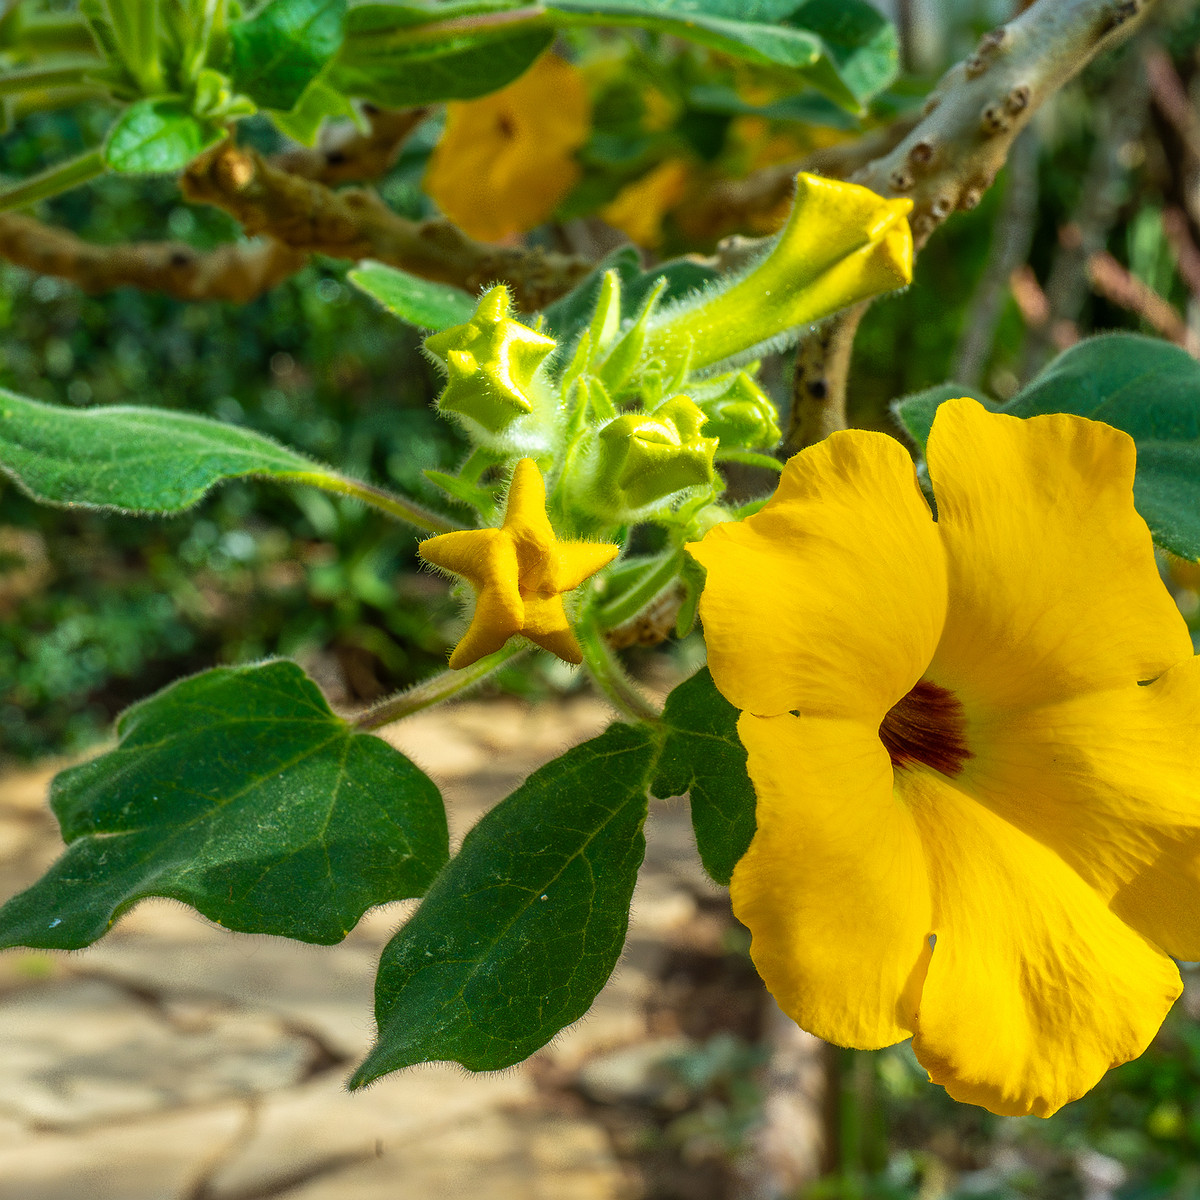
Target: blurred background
[[1092, 226]]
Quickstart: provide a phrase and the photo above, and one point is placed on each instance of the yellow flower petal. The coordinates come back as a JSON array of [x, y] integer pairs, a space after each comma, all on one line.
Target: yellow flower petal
[[518, 573], [1109, 781], [1053, 586], [833, 887], [638, 209], [1034, 988], [506, 160], [831, 599]]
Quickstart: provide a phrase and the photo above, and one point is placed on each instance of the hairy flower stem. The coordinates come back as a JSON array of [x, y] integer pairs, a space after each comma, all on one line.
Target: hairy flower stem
[[443, 686], [610, 677], [395, 506]]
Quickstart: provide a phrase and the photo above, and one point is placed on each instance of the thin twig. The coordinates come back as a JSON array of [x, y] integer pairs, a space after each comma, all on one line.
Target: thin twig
[[1187, 254], [1011, 240], [347, 155], [1114, 281], [355, 224]]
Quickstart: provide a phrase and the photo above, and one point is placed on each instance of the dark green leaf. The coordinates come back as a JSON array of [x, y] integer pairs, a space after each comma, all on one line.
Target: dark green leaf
[[749, 29], [132, 459], [420, 302], [280, 50], [240, 793], [157, 136], [1144, 386], [703, 756], [916, 411], [391, 59], [861, 50], [525, 925]]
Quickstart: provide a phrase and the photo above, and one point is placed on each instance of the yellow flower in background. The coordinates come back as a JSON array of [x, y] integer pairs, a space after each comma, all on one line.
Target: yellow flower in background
[[519, 573], [506, 160], [975, 744], [638, 209]]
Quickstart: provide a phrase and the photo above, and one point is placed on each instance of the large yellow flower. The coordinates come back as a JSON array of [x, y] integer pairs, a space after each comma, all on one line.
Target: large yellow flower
[[975, 744]]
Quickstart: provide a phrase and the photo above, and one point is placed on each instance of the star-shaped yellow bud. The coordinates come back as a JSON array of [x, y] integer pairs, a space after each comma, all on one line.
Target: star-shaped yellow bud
[[491, 362], [519, 573]]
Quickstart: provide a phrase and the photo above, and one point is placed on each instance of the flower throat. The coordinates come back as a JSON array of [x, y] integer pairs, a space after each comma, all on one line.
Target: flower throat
[[926, 726]]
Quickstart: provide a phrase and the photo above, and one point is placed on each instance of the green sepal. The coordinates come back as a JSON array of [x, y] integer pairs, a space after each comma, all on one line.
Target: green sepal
[[703, 756], [742, 415], [491, 361], [241, 793], [524, 926], [480, 499]]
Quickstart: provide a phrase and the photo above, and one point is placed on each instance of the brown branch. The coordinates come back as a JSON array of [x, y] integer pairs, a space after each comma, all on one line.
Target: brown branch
[[1171, 98], [729, 206], [347, 155], [973, 116], [1187, 254], [1109, 278], [355, 224], [236, 272]]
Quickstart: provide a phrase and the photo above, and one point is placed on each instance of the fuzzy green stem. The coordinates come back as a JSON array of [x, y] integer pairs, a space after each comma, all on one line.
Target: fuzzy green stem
[[67, 75], [610, 677], [60, 178], [50, 35], [399, 507], [651, 585], [433, 691], [750, 459]]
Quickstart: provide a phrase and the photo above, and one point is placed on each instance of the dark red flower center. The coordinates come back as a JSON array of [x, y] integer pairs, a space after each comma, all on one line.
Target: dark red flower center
[[926, 726]]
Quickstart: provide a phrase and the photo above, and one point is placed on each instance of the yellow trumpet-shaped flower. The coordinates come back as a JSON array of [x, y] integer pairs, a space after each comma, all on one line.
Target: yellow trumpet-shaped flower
[[975, 744], [519, 573]]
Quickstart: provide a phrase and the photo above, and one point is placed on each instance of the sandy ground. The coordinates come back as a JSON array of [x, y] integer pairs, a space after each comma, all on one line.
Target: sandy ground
[[176, 1061]]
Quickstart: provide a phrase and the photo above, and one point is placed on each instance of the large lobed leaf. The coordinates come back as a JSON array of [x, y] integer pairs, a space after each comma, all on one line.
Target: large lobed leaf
[[1146, 387], [240, 793], [132, 459]]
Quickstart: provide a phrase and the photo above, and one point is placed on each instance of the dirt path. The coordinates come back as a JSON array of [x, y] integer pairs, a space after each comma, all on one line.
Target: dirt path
[[176, 1061]]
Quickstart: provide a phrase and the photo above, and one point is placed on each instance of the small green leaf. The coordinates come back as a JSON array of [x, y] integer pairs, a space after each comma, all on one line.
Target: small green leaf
[[704, 757], [320, 102], [420, 302], [132, 459], [391, 59], [283, 47], [240, 793], [861, 51], [1142, 385], [157, 137], [525, 925]]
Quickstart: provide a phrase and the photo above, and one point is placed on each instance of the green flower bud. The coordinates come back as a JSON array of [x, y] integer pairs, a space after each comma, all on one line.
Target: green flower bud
[[491, 362], [742, 416], [641, 461]]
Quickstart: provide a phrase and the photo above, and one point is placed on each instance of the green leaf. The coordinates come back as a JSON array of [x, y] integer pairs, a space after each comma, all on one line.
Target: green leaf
[[240, 793], [1146, 387], [303, 121], [525, 925], [749, 29], [420, 302], [861, 50], [916, 412], [391, 59], [157, 137], [279, 51], [131, 459], [703, 756]]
